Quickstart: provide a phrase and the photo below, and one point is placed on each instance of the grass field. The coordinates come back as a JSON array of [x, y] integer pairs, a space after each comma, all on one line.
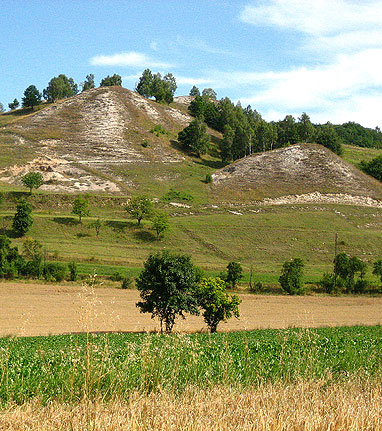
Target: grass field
[[262, 237]]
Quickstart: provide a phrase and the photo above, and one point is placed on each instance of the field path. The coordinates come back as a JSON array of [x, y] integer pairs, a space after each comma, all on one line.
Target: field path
[[35, 309]]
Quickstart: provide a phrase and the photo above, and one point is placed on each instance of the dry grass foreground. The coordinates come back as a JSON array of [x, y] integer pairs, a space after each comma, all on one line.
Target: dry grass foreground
[[300, 406], [35, 309]]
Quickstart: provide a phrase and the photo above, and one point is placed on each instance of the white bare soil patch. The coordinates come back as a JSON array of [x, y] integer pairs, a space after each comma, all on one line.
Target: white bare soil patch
[[330, 198]]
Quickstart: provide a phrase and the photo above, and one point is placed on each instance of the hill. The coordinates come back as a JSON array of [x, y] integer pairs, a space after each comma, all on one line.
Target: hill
[[112, 140], [93, 141], [298, 169]]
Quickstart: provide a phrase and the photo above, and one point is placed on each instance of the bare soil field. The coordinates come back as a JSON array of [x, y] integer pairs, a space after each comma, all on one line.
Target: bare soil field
[[35, 309]]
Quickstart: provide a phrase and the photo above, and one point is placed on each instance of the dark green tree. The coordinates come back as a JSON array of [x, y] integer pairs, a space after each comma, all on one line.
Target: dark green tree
[[88, 83], [22, 220], [305, 128], [194, 91], [327, 136], [145, 83], [217, 304], [32, 97], [291, 276], [377, 269], [347, 268], [10, 260], [33, 180], [195, 138], [60, 87], [1, 107], [140, 207], [111, 80], [81, 208], [14, 105], [234, 274], [373, 167], [168, 287]]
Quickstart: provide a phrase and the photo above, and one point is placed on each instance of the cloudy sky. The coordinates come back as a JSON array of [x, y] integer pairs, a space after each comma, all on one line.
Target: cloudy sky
[[323, 57]]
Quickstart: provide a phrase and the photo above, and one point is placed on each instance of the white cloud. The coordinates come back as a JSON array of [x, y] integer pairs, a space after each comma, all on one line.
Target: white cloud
[[154, 46], [184, 80], [347, 37], [132, 59], [315, 17]]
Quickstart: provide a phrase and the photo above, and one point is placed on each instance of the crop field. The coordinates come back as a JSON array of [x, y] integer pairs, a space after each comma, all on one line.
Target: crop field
[[306, 378]]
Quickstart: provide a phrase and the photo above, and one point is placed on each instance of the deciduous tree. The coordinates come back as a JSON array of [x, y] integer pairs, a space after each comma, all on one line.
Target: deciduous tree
[[194, 137], [217, 304], [81, 208], [60, 87], [168, 287], [140, 207], [160, 223], [33, 180]]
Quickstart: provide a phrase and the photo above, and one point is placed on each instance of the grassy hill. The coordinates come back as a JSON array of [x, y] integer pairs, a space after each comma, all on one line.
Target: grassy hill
[[104, 143]]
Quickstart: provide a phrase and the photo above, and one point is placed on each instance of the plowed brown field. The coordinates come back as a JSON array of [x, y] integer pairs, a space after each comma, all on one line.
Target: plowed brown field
[[35, 309]]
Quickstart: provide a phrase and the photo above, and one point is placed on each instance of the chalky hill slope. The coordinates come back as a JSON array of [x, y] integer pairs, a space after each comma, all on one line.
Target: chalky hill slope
[[101, 140]]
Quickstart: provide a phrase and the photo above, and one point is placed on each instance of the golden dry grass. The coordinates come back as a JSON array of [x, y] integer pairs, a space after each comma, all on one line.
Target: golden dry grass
[[35, 309], [301, 406]]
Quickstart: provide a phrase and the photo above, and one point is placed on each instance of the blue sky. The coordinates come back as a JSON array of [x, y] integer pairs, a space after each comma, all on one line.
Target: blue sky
[[323, 57]]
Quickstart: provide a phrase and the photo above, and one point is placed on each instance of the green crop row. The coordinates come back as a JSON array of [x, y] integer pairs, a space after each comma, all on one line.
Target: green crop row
[[71, 367]]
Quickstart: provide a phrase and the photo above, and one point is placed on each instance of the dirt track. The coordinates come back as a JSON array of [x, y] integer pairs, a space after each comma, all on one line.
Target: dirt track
[[34, 309]]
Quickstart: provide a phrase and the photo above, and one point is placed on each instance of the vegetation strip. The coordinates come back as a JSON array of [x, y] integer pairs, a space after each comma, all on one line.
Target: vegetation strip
[[71, 368]]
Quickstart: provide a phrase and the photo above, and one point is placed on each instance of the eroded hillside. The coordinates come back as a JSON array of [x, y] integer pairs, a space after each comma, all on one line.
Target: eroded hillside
[[295, 170], [77, 142]]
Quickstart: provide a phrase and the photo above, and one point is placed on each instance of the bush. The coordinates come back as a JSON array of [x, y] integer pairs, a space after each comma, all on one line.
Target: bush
[[159, 130], [174, 195], [126, 282], [54, 271], [208, 179], [116, 276], [73, 271], [234, 274], [291, 276], [256, 287]]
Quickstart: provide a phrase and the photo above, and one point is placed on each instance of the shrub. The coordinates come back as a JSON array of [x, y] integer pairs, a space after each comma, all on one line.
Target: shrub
[[159, 130], [116, 276], [54, 271], [208, 179], [126, 282], [174, 195], [256, 287], [73, 271], [291, 276], [234, 274]]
